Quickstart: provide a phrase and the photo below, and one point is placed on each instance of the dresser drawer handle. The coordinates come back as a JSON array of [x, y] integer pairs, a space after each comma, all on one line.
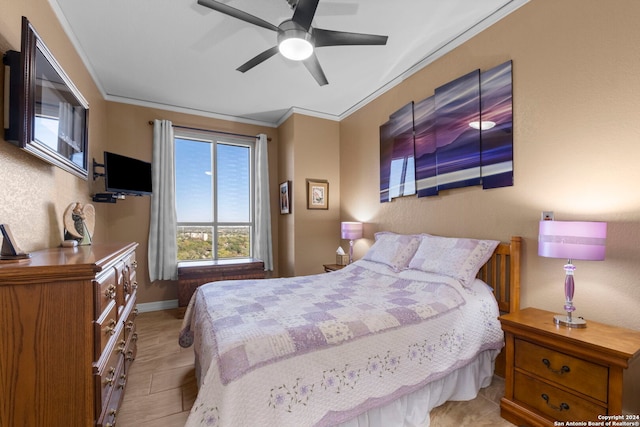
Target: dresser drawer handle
[[563, 406], [123, 381], [111, 328], [112, 413], [109, 380], [565, 369], [110, 293]]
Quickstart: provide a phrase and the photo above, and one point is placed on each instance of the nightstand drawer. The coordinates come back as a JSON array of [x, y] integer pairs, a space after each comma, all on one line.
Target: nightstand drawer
[[553, 402], [585, 377]]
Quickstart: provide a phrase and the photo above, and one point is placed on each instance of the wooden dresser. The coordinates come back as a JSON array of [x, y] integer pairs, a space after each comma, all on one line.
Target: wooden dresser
[[556, 374], [192, 274], [67, 335]]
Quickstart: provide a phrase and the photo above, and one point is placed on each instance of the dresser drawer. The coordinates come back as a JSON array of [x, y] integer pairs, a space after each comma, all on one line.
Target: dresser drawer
[[131, 351], [120, 284], [553, 402], [105, 328], [109, 415], [130, 285], [105, 291], [585, 377], [106, 380]]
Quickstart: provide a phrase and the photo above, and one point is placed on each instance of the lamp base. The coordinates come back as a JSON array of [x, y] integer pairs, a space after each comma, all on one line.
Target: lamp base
[[569, 322]]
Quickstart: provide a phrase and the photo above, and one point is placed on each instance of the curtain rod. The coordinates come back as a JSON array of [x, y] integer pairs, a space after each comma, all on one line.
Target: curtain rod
[[213, 131]]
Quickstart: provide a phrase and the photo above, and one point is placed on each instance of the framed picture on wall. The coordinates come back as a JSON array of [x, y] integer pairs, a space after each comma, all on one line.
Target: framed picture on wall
[[317, 194], [285, 198]]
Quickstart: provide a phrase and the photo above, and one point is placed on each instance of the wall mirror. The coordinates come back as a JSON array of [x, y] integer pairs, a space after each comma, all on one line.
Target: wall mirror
[[48, 116]]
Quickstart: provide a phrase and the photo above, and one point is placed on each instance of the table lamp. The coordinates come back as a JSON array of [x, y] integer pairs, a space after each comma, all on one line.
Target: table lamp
[[352, 231], [571, 240]]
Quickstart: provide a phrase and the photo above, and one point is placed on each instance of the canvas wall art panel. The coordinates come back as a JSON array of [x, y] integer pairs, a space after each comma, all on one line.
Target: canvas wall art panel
[[397, 155], [425, 147], [458, 144], [497, 130]]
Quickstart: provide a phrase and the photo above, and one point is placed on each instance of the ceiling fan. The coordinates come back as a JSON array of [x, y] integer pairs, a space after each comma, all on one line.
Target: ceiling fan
[[297, 39]]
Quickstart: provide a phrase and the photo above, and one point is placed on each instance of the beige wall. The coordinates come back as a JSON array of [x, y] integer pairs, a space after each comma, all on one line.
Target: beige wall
[[286, 223], [310, 149], [576, 100]]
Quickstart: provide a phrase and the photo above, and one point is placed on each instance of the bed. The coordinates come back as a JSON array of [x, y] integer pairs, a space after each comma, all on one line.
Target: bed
[[380, 342]]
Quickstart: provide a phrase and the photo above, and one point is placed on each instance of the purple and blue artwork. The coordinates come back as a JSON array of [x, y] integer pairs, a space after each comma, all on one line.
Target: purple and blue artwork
[[497, 134], [461, 136], [397, 155], [425, 141], [457, 143]]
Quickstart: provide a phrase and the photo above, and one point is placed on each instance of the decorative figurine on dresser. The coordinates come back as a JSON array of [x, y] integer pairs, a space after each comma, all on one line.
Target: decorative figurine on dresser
[[79, 222], [67, 335]]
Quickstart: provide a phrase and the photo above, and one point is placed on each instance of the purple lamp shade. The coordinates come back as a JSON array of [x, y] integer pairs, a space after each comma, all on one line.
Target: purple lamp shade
[[351, 230], [572, 240]]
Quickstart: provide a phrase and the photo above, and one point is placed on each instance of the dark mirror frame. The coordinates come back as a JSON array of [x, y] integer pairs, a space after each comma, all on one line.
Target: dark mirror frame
[[25, 90]]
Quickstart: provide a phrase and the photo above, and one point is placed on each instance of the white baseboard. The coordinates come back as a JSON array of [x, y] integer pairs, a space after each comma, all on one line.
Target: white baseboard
[[157, 305]]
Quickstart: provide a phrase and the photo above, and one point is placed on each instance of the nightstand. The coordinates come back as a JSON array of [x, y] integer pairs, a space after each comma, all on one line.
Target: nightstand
[[332, 267], [555, 373]]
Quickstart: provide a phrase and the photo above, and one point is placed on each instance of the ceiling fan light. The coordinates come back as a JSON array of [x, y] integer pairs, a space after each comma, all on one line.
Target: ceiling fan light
[[296, 49]]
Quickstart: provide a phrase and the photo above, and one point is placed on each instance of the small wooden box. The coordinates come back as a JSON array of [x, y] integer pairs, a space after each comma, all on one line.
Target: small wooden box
[[342, 259]]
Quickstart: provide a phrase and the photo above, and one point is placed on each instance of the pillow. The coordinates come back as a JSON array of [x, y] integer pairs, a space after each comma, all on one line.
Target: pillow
[[393, 250], [455, 257]]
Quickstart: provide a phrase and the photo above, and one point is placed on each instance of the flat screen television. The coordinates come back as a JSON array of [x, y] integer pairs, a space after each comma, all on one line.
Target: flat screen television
[[45, 114], [126, 175]]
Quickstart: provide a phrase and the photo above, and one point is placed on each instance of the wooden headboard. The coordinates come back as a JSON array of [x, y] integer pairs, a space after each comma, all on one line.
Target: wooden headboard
[[502, 273]]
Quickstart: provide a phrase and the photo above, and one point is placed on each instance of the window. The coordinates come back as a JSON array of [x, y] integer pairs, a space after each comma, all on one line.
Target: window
[[214, 195]]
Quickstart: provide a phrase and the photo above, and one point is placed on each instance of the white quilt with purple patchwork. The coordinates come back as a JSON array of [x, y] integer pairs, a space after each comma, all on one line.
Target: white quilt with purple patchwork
[[319, 350]]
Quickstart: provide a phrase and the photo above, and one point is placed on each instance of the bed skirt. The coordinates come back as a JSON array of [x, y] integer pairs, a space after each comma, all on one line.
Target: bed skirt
[[412, 410]]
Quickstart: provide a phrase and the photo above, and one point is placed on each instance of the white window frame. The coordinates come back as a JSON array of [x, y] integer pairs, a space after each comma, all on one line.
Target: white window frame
[[215, 139]]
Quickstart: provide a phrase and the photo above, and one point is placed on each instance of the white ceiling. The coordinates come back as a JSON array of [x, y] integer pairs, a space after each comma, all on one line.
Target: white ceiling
[[178, 55]]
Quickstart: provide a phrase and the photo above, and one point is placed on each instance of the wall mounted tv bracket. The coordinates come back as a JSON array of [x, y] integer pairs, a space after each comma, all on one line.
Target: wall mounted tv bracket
[[103, 197]]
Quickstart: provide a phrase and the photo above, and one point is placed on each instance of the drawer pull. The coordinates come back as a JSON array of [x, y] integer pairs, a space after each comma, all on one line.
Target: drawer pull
[[110, 293], [135, 263], [565, 369], [563, 406], [109, 380], [134, 286], [112, 413], [111, 328], [123, 381]]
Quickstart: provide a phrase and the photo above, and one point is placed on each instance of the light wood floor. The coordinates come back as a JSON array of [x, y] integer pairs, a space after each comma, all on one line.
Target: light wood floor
[[161, 387]]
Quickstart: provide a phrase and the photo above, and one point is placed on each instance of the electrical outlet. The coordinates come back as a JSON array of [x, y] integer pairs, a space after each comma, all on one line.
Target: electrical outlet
[[547, 215]]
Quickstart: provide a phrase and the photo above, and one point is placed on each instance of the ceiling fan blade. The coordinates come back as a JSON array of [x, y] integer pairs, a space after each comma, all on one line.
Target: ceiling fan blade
[[304, 13], [237, 13], [313, 65], [258, 59], [342, 38]]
